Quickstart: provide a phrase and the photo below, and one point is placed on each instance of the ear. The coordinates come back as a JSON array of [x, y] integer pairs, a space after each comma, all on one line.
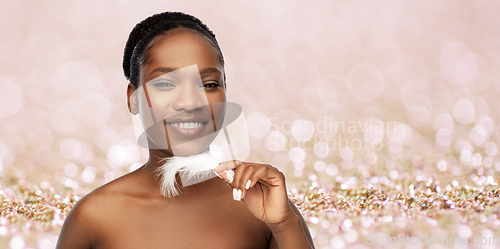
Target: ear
[[132, 99]]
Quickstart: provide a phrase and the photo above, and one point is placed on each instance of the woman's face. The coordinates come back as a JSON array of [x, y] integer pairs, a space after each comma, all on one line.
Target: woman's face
[[181, 93]]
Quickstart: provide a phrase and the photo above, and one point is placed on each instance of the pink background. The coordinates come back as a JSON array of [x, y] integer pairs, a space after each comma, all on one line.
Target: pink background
[[431, 69]]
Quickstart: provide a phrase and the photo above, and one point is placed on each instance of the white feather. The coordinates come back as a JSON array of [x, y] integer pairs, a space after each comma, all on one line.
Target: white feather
[[192, 167]]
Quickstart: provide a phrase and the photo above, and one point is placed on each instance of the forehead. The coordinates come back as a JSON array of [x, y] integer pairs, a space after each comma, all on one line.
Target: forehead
[[180, 48]]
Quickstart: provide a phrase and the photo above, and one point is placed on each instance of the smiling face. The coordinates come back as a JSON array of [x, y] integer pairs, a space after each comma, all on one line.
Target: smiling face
[[181, 93]]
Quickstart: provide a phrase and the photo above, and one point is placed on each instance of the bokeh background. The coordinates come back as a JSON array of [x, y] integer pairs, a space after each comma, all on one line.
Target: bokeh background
[[397, 98]]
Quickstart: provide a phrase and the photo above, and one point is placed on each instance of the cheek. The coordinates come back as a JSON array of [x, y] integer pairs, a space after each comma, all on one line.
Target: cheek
[[217, 97], [158, 102]]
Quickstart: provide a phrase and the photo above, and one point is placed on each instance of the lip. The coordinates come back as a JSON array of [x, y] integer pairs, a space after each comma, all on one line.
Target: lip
[[189, 132]]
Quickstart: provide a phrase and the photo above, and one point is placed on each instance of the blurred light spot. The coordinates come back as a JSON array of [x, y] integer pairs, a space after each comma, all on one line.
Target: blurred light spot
[[420, 117], [299, 165], [302, 130], [70, 148], [296, 154], [275, 141], [331, 169], [346, 225], [393, 174], [487, 162], [71, 170], [123, 154], [476, 160], [398, 132], [441, 165], [373, 131], [351, 236], [321, 150], [443, 137], [443, 121], [486, 123], [109, 176], [346, 153], [17, 242], [479, 135], [11, 98], [46, 243], [88, 175], [68, 183], [365, 82], [258, 125], [327, 94], [465, 156], [490, 149], [314, 220], [458, 64], [319, 166], [298, 173], [464, 111], [337, 242], [464, 231]]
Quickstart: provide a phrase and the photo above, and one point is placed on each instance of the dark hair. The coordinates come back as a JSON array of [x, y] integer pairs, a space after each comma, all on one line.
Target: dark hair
[[138, 43]]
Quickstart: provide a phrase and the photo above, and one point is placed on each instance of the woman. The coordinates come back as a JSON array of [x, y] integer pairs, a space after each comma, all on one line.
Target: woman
[[176, 73]]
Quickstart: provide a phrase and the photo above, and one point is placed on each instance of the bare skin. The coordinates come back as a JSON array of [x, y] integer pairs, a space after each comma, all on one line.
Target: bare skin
[[131, 212]]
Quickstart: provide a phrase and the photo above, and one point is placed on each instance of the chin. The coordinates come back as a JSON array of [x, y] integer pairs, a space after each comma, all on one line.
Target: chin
[[193, 147]]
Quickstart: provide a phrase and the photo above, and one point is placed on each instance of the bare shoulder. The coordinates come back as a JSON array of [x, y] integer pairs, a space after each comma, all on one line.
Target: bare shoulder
[[88, 219], [93, 204], [107, 196], [84, 222]]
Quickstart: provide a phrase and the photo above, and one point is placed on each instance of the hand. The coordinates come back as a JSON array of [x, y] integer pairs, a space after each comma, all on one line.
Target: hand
[[261, 187]]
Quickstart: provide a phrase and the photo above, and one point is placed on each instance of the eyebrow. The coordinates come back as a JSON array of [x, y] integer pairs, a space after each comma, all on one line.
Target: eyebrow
[[207, 70], [163, 70], [210, 70]]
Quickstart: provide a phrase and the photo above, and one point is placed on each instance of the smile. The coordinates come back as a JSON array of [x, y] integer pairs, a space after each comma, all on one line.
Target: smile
[[187, 128]]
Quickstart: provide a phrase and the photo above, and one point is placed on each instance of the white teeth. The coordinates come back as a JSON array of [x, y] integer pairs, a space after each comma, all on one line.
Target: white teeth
[[190, 125]]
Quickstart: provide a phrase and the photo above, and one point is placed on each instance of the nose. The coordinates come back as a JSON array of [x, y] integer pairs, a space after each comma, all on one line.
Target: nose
[[190, 98]]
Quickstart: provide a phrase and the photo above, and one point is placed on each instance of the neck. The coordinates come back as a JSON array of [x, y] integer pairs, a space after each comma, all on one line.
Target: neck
[[193, 170], [150, 168]]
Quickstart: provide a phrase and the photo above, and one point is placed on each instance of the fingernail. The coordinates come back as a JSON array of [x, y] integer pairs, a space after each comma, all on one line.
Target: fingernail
[[230, 175], [235, 194], [239, 194], [248, 184]]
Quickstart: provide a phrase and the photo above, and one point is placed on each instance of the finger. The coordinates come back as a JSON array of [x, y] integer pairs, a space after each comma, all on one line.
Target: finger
[[252, 176], [242, 176], [237, 174], [227, 176], [228, 165]]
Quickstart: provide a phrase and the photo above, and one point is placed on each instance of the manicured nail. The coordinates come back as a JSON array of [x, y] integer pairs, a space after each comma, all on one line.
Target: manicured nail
[[248, 184], [230, 175], [235, 194], [239, 194]]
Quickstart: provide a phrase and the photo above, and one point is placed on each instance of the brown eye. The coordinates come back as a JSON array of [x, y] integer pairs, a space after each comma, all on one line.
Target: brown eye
[[211, 84], [163, 85]]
